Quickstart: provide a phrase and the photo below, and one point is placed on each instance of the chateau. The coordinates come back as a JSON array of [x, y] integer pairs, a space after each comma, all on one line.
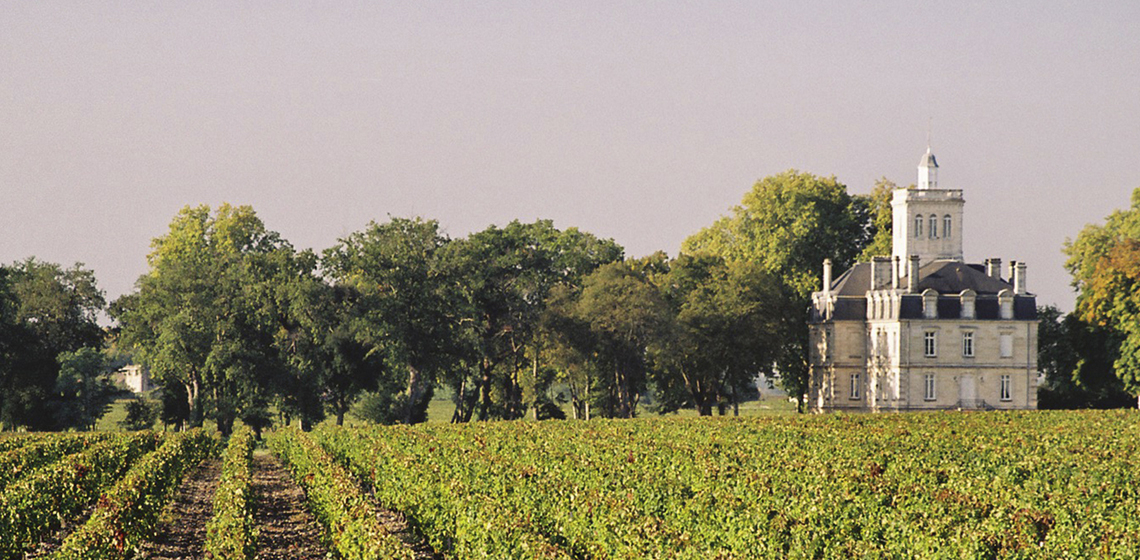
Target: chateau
[[921, 329]]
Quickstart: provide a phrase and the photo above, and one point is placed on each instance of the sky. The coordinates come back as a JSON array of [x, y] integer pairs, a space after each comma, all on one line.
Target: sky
[[638, 121]]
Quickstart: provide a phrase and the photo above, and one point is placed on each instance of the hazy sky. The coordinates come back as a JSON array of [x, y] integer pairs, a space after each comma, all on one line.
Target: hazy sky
[[638, 121]]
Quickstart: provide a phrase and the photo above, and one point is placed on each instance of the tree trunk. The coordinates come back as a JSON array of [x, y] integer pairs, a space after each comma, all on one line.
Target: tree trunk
[[485, 389], [193, 411], [534, 386], [414, 393]]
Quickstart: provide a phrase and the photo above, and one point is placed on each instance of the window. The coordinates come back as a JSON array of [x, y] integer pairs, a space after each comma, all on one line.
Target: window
[[854, 385], [918, 226], [930, 343], [928, 382], [1006, 341], [968, 344], [1006, 388], [946, 226], [933, 226]]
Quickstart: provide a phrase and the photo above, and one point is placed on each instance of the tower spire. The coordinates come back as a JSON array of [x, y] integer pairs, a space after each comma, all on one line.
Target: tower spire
[[928, 171]]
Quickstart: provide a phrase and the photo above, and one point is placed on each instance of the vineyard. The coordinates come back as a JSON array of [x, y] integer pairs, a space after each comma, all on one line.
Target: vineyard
[[961, 485]]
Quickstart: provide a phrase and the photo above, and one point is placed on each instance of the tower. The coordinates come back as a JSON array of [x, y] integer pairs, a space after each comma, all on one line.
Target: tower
[[927, 220]]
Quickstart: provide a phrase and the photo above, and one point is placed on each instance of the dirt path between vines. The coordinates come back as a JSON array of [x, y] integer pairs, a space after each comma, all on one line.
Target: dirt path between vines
[[182, 533], [287, 531]]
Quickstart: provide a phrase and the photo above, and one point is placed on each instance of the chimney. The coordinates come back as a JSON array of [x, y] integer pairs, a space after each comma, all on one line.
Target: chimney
[[1017, 271], [993, 268], [912, 274], [826, 276], [880, 272]]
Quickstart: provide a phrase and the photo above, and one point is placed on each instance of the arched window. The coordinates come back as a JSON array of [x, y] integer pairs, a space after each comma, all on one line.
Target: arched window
[[933, 226], [946, 226], [918, 226]]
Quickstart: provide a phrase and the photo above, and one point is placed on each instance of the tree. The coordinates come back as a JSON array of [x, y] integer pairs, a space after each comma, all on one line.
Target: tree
[[787, 225], [1077, 360], [205, 317], [410, 306], [624, 313], [46, 310], [507, 275], [876, 213], [84, 390], [1104, 261], [725, 331], [331, 363], [140, 415]]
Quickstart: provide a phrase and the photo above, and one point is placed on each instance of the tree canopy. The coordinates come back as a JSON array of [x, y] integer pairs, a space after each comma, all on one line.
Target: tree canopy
[[1104, 261], [787, 225], [45, 311], [205, 317]]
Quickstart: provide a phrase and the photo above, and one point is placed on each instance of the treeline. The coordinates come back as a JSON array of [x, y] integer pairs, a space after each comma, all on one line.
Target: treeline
[[234, 322]]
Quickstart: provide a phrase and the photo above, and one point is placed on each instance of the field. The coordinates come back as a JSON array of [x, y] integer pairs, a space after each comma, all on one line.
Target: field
[[951, 485]]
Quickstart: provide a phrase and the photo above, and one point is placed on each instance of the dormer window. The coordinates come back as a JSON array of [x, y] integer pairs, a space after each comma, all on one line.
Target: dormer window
[[933, 226], [930, 304], [1005, 304], [968, 299], [918, 226]]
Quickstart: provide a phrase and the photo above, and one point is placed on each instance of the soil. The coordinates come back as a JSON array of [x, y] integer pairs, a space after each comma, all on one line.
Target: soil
[[396, 524], [182, 532], [287, 531]]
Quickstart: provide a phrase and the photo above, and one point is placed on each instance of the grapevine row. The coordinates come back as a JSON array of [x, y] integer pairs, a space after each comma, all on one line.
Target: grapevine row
[[459, 514], [230, 534], [128, 513], [347, 515], [42, 499], [18, 461]]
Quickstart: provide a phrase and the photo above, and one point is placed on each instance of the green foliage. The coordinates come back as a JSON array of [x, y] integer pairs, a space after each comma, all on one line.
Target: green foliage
[[409, 305], [348, 518], [877, 215], [788, 224], [1077, 360], [938, 485], [141, 415], [725, 331], [45, 310], [625, 314], [128, 512], [84, 388], [1105, 263], [206, 316], [506, 276], [42, 500], [231, 533]]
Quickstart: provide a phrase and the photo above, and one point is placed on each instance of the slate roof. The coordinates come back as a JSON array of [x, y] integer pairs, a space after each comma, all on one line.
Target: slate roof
[[948, 278], [944, 277], [855, 282]]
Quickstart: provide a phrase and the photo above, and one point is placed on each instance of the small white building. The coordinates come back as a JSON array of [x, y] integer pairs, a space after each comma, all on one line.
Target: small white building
[[921, 329], [134, 377]]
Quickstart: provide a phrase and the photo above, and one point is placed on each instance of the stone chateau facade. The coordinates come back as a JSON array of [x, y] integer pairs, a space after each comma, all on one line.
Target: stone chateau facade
[[921, 329]]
